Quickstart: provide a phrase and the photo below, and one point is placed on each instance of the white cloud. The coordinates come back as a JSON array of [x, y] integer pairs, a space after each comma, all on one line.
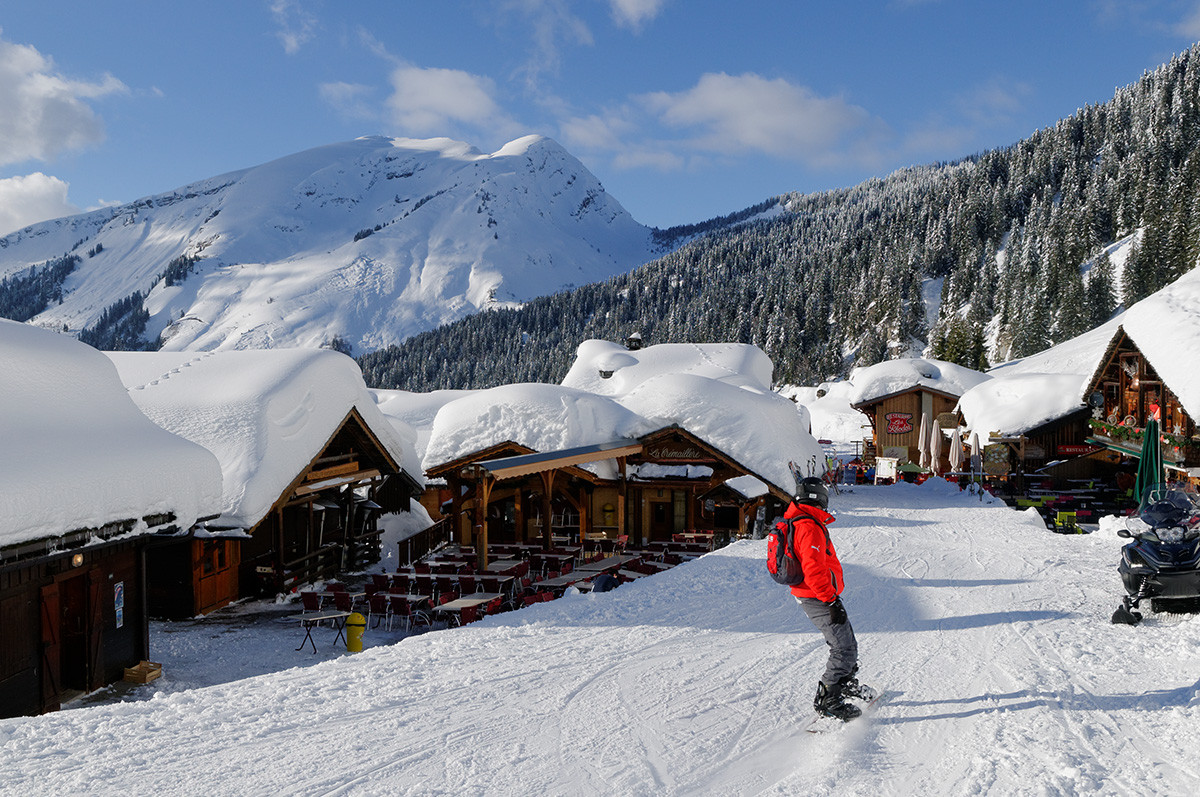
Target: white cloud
[[594, 131], [296, 25], [44, 113], [30, 199], [434, 101], [732, 113], [348, 99], [633, 13]]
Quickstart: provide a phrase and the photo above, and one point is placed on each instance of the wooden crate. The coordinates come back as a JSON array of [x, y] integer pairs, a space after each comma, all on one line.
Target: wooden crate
[[144, 672]]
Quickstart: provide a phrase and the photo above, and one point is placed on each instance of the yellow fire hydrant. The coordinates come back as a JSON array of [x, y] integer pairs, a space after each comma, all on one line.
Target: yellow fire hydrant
[[356, 625]]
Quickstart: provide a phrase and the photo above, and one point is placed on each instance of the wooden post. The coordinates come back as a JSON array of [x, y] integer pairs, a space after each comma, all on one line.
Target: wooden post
[[585, 515], [621, 498], [547, 508], [483, 490], [519, 514]]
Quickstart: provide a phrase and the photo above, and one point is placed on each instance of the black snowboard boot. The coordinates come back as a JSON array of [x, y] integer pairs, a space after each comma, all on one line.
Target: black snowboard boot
[[830, 702], [851, 688]]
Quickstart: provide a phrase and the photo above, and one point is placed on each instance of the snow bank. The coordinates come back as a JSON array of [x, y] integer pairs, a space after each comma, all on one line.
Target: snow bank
[[264, 414], [887, 378], [77, 452]]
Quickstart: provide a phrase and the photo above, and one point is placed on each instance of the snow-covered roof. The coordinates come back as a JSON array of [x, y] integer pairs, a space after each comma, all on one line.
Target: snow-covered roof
[[735, 363], [718, 392], [1015, 404], [874, 382], [265, 414], [1165, 327], [78, 453]]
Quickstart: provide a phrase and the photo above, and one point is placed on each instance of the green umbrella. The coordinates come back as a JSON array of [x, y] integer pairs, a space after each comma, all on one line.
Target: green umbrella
[[1150, 468]]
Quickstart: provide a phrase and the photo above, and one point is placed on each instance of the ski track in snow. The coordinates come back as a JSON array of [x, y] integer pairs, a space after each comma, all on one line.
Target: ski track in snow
[[989, 633]]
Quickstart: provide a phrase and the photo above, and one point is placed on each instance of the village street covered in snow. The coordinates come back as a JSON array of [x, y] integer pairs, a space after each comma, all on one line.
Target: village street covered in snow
[[990, 635]]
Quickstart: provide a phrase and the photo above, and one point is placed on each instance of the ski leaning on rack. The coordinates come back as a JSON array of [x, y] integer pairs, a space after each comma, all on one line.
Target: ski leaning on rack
[[821, 724]]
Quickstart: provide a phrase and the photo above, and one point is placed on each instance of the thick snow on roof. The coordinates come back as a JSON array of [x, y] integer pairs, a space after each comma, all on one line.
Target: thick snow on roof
[[265, 414], [1013, 405], [896, 376], [736, 363], [541, 417], [1165, 326], [718, 392], [413, 413], [77, 452]]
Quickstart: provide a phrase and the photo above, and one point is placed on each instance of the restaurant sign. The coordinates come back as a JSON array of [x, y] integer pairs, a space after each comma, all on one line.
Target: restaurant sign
[[1077, 450], [676, 451], [899, 422]]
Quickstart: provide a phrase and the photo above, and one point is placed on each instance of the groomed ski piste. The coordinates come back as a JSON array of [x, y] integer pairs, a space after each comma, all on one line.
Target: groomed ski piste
[[990, 635]]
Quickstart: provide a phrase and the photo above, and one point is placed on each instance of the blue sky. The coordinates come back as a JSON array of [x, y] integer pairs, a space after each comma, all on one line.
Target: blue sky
[[684, 110]]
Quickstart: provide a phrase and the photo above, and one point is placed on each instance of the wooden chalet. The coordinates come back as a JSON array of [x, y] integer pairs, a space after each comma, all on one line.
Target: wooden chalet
[[309, 466], [73, 614], [1126, 391], [643, 490], [896, 421], [91, 484], [327, 520]]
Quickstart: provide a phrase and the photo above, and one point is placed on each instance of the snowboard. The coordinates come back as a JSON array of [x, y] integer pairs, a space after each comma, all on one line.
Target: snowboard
[[821, 724]]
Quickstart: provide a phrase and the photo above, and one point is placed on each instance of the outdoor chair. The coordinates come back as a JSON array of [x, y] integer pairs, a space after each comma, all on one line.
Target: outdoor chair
[[466, 584], [381, 610], [343, 602], [469, 614], [493, 606], [311, 601], [380, 581], [446, 597]]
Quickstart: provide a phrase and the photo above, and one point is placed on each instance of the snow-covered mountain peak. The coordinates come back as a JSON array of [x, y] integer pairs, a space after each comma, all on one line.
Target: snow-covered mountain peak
[[368, 241]]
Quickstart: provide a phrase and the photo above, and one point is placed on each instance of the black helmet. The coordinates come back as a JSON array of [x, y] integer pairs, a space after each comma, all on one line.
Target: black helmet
[[812, 491]]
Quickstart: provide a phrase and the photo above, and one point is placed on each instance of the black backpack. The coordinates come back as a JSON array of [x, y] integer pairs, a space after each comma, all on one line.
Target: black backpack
[[782, 563]]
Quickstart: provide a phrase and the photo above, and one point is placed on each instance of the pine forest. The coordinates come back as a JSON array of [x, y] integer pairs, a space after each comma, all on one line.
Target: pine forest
[[1017, 239]]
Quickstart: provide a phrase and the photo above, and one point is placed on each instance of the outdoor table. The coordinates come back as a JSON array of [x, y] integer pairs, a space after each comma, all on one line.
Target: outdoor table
[[610, 563], [565, 580], [458, 604], [309, 621], [631, 573], [500, 565]]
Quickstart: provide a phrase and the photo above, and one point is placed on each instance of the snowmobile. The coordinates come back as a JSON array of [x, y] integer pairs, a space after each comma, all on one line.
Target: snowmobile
[[1162, 561]]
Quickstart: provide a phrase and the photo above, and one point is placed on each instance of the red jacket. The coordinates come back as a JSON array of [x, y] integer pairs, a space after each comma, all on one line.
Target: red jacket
[[814, 551]]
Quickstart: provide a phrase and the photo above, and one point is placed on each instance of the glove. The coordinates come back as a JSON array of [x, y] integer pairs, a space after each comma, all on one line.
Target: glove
[[837, 612]]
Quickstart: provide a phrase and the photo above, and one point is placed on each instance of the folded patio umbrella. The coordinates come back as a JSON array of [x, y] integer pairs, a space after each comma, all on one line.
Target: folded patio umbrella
[[1150, 467], [923, 441]]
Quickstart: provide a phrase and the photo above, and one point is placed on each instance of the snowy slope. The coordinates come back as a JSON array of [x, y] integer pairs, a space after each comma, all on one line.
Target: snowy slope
[[442, 230], [990, 634]]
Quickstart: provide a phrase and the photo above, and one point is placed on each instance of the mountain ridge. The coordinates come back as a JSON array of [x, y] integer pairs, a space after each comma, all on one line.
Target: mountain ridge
[[364, 242]]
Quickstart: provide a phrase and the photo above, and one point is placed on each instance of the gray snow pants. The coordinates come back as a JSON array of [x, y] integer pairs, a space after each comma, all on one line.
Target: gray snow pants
[[843, 647]]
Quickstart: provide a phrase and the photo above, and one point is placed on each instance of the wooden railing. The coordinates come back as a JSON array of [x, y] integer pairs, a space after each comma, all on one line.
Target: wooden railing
[[421, 543]]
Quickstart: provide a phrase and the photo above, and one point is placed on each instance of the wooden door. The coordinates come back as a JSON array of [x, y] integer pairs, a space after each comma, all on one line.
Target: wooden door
[[51, 649], [98, 590], [73, 637], [662, 520]]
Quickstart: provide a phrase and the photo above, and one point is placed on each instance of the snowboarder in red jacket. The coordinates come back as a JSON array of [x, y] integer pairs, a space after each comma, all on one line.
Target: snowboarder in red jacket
[[819, 596]]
